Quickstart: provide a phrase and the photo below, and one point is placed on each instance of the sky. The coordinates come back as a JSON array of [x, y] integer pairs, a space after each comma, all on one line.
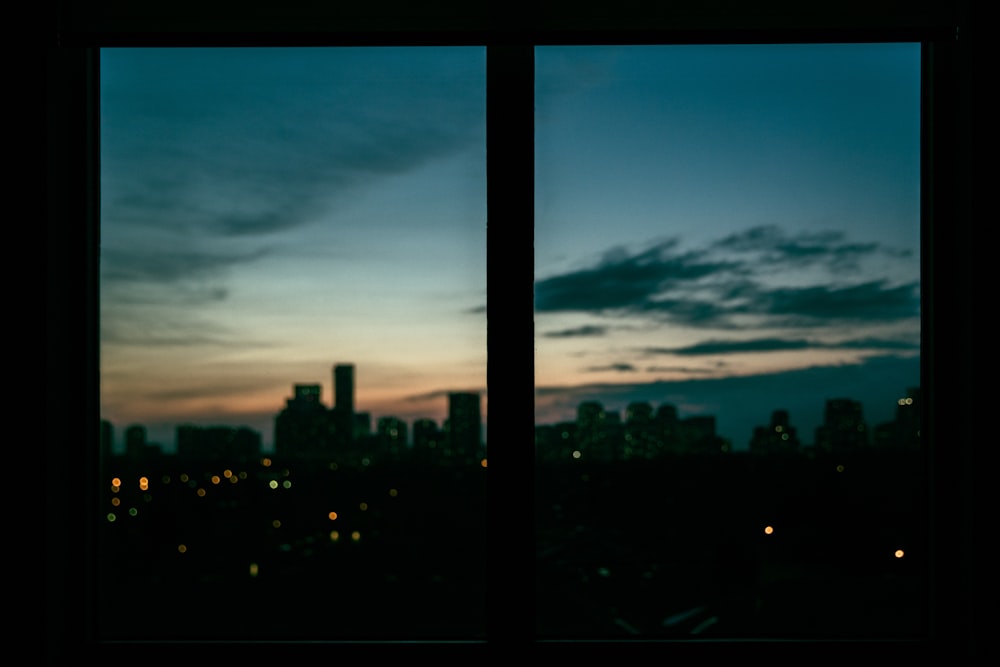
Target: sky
[[269, 213], [730, 229]]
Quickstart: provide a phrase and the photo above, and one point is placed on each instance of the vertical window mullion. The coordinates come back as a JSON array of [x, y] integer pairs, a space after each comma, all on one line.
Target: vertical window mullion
[[510, 341]]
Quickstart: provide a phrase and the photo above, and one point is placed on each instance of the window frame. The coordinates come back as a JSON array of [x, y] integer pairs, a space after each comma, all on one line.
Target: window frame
[[510, 33]]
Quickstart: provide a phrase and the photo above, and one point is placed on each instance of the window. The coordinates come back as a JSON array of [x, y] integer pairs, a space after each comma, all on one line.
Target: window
[[72, 289], [727, 318], [292, 246]]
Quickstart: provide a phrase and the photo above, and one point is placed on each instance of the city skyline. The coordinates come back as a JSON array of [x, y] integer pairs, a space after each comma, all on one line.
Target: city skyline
[[341, 399], [730, 229]]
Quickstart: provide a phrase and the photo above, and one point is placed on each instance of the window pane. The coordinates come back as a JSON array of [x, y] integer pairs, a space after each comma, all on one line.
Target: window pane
[[293, 343], [727, 301]]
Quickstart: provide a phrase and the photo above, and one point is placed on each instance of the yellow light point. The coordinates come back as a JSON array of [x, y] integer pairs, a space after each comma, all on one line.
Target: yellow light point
[[111, 517], [276, 523], [482, 463], [116, 501], [769, 530], [227, 473], [185, 477], [273, 484], [840, 468], [201, 493], [144, 483], [332, 516], [287, 484], [576, 454], [393, 493], [234, 480], [216, 479], [266, 462], [182, 548], [334, 535], [116, 482], [356, 536], [899, 553], [363, 507], [254, 570]]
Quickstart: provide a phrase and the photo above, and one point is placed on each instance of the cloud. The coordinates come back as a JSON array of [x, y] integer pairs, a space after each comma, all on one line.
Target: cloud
[[714, 347], [755, 279], [586, 331], [622, 281], [620, 367], [164, 265], [202, 149]]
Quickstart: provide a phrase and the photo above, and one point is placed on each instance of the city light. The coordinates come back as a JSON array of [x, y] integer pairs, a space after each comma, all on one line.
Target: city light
[[769, 530], [332, 516]]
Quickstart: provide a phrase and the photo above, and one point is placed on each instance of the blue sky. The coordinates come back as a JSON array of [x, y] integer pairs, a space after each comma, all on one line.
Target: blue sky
[[732, 229]]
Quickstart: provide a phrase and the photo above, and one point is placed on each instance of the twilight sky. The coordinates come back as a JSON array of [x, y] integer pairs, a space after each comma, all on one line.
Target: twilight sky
[[267, 214], [729, 229]]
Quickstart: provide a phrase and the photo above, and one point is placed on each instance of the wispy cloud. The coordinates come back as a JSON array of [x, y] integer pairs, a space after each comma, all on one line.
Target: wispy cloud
[[620, 367], [586, 331], [715, 347], [237, 146]]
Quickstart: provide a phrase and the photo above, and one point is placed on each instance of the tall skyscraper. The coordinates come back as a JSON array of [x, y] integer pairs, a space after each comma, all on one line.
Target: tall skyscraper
[[465, 424], [343, 404], [343, 388]]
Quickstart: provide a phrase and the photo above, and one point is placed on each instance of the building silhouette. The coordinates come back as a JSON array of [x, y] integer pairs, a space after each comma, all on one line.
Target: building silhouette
[[844, 429], [465, 426], [779, 437]]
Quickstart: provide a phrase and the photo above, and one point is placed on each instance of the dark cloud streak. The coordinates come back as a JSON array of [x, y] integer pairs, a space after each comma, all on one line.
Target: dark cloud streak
[[735, 282]]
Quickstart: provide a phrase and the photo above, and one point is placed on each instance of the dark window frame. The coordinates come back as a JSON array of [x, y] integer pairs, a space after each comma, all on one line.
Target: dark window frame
[[79, 28]]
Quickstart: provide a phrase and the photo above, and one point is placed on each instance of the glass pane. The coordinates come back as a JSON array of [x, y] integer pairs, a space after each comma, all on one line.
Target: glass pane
[[727, 301], [293, 343]]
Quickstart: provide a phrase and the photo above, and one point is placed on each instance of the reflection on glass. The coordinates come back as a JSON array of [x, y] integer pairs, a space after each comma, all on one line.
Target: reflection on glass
[[293, 357], [727, 302]]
